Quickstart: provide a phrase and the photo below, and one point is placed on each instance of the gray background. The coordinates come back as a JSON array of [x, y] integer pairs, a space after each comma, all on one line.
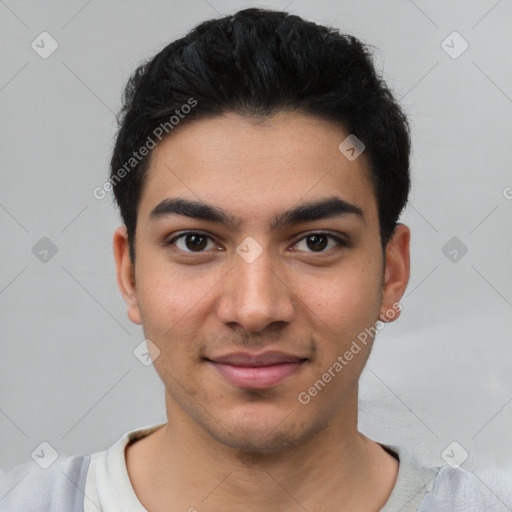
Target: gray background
[[68, 374]]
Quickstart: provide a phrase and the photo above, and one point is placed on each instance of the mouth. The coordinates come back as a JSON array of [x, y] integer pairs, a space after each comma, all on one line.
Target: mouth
[[261, 371]]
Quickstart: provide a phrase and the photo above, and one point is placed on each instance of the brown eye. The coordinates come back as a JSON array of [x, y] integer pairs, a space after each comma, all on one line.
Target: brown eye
[[190, 242], [317, 242]]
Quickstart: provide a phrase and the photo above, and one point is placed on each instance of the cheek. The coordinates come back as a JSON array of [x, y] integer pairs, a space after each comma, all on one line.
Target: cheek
[[342, 313], [344, 301], [167, 294], [163, 312], [174, 307]]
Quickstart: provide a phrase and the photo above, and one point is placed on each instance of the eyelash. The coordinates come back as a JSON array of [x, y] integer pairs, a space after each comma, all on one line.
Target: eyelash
[[339, 241]]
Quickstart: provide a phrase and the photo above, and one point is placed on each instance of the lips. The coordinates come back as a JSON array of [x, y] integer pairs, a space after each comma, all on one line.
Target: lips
[[257, 371]]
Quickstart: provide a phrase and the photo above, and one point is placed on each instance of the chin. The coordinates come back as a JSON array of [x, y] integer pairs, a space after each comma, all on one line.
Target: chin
[[265, 434], [258, 442]]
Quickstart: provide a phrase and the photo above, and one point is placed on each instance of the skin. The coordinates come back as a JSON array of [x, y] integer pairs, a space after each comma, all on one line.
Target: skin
[[228, 448]]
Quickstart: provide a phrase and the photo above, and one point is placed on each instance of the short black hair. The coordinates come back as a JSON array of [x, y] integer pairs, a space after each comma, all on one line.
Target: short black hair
[[259, 62]]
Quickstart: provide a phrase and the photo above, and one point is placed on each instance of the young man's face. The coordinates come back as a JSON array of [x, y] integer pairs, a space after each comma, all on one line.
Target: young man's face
[[255, 287]]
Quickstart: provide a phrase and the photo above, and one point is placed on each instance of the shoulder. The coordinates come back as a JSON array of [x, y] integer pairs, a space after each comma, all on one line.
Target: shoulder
[[422, 488], [456, 489], [30, 487]]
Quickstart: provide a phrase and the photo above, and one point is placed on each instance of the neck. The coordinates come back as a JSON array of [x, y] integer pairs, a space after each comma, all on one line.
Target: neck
[[335, 468]]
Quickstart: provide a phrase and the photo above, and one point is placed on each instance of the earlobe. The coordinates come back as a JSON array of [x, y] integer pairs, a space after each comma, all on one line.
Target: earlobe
[[125, 274], [396, 275]]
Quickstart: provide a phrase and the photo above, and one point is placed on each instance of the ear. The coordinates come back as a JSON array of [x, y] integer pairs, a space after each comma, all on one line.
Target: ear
[[126, 274], [396, 273]]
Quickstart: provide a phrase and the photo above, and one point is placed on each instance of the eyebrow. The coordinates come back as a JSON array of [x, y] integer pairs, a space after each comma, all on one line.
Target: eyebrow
[[316, 210]]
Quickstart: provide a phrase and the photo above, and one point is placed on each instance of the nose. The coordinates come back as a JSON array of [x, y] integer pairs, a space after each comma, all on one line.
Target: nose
[[255, 294]]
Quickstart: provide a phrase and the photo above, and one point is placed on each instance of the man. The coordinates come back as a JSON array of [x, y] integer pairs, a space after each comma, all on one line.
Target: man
[[260, 169]]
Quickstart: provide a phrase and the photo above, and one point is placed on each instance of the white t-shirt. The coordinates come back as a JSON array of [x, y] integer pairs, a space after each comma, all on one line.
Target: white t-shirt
[[100, 482]]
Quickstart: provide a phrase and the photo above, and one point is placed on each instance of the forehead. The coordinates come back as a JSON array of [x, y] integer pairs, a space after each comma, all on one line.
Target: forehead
[[256, 169]]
